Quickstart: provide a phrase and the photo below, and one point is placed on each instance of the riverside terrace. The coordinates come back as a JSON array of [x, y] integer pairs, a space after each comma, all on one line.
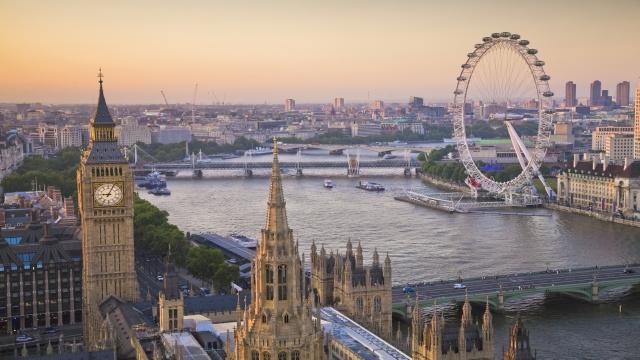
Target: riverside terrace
[[587, 284]]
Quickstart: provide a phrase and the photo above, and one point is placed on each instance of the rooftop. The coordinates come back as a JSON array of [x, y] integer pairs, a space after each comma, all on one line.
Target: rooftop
[[357, 338], [185, 343]]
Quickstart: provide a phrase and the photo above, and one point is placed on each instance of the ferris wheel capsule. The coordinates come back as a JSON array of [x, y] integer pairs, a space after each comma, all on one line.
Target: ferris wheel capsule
[[471, 55], [505, 34], [458, 92], [515, 37], [523, 42], [466, 66], [461, 78], [538, 63], [532, 51], [545, 77], [486, 39], [478, 46], [495, 35], [547, 94]]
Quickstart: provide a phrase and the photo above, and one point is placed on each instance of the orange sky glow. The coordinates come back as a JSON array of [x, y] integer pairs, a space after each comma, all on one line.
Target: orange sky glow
[[313, 51]]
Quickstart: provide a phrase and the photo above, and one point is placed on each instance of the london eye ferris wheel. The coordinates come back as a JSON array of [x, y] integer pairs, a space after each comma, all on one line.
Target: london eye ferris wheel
[[503, 82]]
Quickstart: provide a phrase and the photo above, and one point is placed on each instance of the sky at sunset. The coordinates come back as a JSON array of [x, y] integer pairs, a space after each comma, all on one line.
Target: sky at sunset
[[313, 51]]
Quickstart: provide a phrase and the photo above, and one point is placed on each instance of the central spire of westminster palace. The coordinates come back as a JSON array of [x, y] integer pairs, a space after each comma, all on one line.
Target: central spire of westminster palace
[[278, 323]]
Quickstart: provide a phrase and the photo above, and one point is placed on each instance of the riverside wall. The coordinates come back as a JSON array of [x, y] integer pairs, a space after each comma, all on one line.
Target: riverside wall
[[593, 214]]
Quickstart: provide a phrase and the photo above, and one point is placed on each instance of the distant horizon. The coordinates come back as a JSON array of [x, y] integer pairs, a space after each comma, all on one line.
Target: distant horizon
[[252, 52]]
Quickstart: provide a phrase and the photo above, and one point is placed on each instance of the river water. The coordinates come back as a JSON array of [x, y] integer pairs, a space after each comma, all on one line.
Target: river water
[[426, 244]]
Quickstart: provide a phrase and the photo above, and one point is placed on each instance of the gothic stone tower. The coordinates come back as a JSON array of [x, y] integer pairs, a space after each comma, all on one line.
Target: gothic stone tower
[[361, 292], [170, 302], [105, 200], [436, 341], [278, 324]]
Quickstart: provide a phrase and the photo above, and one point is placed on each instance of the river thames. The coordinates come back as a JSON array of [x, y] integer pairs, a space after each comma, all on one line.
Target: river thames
[[426, 245]]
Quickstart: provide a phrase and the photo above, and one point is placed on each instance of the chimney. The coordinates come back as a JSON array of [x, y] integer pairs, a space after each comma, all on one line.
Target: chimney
[[605, 162], [626, 163], [576, 158], [594, 163], [586, 156]]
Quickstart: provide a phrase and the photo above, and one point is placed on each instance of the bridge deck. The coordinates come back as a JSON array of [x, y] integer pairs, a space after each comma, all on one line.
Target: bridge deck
[[527, 282], [284, 164]]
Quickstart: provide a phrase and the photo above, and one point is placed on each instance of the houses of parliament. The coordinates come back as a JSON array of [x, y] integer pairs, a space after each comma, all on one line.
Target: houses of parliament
[[344, 311]]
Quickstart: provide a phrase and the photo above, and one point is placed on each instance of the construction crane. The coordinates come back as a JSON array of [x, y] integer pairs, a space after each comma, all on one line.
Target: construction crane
[[193, 104], [165, 98]]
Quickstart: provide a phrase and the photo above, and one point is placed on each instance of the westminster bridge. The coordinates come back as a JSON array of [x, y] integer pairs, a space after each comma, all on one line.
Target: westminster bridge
[[586, 284]]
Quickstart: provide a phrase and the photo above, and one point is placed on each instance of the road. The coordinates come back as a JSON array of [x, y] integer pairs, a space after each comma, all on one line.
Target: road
[[490, 285]]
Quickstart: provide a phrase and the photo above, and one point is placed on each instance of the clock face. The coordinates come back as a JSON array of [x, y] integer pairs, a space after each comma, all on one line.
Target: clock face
[[108, 194]]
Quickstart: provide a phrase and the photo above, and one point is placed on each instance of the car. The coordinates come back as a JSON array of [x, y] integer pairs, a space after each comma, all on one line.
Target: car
[[50, 330], [459, 286], [23, 338], [408, 290], [628, 271], [160, 277]]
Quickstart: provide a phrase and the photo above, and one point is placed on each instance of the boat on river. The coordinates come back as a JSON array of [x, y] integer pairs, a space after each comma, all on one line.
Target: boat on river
[[328, 184], [369, 186], [160, 191]]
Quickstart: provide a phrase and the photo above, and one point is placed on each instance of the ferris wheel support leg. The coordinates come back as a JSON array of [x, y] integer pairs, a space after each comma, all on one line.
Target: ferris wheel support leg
[[518, 145]]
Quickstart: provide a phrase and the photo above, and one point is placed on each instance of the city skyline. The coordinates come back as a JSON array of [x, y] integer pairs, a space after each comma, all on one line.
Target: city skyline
[[254, 53]]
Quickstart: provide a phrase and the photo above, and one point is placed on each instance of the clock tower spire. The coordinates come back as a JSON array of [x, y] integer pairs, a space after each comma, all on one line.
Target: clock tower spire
[[105, 200]]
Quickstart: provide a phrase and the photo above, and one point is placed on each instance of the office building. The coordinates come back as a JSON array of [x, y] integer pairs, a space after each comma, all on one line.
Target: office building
[[132, 133], [623, 90], [601, 133], [618, 147], [594, 93], [606, 99], [40, 262], [167, 134], [570, 99], [49, 137], [338, 103], [416, 103], [70, 136], [289, 105]]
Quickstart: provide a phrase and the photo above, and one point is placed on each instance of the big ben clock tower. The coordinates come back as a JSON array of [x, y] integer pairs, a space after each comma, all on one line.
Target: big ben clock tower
[[105, 199]]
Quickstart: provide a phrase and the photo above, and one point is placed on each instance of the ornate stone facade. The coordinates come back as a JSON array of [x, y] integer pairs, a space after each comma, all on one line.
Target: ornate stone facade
[[105, 200], [519, 348], [361, 292], [435, 341], [170, 302], [278, 324], [599, 186]]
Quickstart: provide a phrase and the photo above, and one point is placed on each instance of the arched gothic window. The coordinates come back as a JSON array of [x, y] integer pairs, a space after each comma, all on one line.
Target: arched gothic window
[[359, 306], [282, 355], [266, 356], [282, 282], [377, 305], [286, 318], [269, 281], [255, 355], [295, 355]]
